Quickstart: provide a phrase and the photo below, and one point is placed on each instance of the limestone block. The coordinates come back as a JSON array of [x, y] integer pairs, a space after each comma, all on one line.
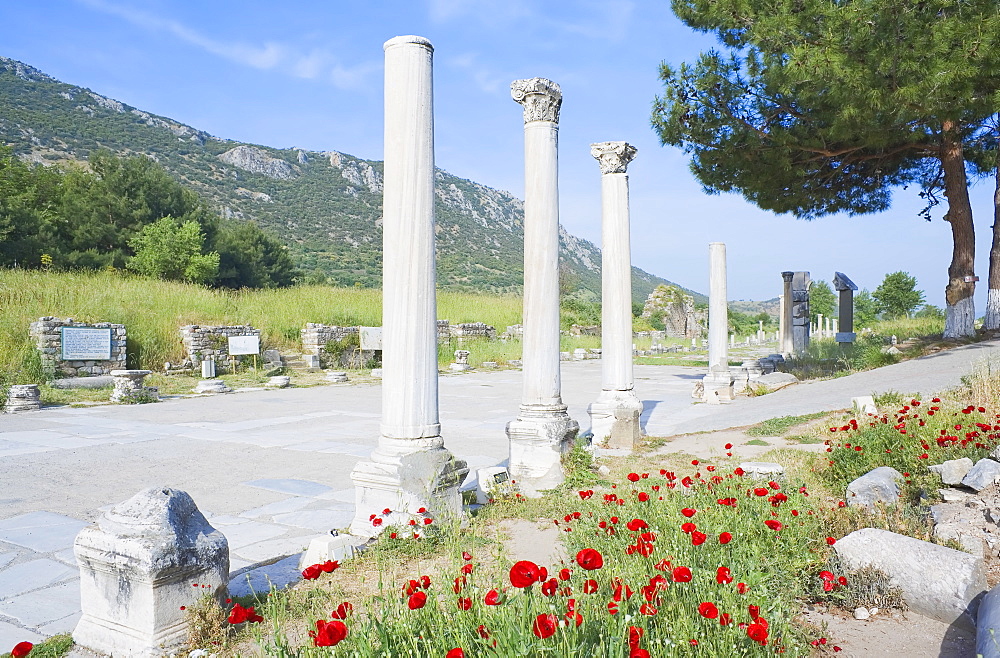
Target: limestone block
[[775, 380], [338, 376], [762, 470], [880, 485], [280, 381], [331, 547], [984, 473], [988, 625], [952, 471], [937, 582], [865, 404], [22, 397], [212, 386], [137, 567], [491, 480], [128, 384]]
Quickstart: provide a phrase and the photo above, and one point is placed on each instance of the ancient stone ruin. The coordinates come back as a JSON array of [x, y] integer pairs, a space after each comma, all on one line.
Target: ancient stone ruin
[[212, 342], [79, 349], [680, 319]]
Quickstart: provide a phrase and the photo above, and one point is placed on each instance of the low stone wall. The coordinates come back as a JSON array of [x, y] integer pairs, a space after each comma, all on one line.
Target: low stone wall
[[47, 333], [200, 342], [472, 330], [316, 336]]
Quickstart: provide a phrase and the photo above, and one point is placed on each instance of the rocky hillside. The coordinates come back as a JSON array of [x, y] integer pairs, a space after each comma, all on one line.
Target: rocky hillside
[[325, 205]]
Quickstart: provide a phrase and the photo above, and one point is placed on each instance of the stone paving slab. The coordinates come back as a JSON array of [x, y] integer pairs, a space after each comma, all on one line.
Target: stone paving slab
[[43, 532], [25, 577]]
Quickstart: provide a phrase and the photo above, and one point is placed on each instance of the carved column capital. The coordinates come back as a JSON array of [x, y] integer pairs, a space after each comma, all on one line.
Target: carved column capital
[[541, 99], [613, 156]]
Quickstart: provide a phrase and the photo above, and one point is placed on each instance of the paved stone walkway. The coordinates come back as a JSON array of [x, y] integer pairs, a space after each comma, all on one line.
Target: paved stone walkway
[[270, 468]]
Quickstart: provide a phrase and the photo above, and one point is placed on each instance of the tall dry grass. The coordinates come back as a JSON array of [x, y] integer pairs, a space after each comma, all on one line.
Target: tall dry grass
[[153, 311]]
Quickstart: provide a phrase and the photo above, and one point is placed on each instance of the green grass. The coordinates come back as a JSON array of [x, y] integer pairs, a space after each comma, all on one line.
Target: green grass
[[53, 647], [757, 442], [779, 426]]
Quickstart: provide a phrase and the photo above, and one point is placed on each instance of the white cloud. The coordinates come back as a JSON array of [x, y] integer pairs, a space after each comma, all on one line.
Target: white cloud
[[315, 64], [487, 79]]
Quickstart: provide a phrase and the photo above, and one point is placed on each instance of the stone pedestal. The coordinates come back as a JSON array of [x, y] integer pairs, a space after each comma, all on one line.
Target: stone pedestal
[[22, 397], [461, 361], [718, 383], [128, 384], [138, 565], [212, 386], [615, 413], [543, 430], [410, 469]]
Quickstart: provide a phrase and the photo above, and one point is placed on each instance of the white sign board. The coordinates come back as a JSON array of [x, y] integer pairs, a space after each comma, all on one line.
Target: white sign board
[[86, 344], [244, 345], [371, 338]]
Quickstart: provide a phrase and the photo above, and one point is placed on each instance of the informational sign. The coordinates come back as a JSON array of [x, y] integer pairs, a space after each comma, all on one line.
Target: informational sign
[[244, 345], [371, 338], [86, 344]]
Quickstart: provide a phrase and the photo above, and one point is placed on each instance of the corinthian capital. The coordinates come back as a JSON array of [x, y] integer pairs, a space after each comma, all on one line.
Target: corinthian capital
[[541, 99], [613, 156]]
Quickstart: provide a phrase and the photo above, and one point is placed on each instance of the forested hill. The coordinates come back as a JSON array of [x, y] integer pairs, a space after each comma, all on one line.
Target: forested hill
[[325, 205]]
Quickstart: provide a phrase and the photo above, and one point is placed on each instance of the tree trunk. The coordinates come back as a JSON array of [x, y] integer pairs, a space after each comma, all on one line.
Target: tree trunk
[[992, 319], [961, 309]]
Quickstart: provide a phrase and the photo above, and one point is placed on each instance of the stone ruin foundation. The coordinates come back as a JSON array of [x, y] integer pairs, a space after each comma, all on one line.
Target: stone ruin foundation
[[680, 319], [203, 342], [48, 335]]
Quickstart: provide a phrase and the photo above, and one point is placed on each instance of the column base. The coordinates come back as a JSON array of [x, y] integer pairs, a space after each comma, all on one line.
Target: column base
[[405, 475], [538, 438], [718, 386], [614, 420]]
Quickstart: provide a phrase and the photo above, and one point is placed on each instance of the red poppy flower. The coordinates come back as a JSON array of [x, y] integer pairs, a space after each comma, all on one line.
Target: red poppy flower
[[647, 610], [492, 598], [329, 566], [455, 653], [688, 527], [612, 608], [643, 497], [635, 636], [831, 541], [761, 491], [416, 600], [698, 538], [328, 634], [688, 512], [741, 588], [524, 573], [638, 653], [635, 525], [682, 575], [545, 626], [342, 611], [425, 581], [590, 586], [464, 603], [826, 575], [239, 615], [773, 525], [21, 649], [725, 538], [725, 619], [708, 610], [483, 633], [312, 572], [754, 611], [466, 568], [722, 576], [590, 559], [757, 633], [467, 556], [550, 586], [633, 477]]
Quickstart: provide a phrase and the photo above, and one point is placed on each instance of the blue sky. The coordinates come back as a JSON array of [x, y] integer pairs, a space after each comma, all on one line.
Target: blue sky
[[309, 74]]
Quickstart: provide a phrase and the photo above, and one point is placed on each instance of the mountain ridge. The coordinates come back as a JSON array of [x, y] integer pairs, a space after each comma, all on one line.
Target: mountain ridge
[[326, 205]]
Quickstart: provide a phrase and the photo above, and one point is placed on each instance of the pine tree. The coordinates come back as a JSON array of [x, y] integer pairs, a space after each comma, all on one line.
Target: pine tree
[[826, 106]]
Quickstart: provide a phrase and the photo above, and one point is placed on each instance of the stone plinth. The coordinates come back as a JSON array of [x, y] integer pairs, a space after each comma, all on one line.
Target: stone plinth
[[212, 386], [614, 419], [138, 565], [128, 384], [461, 361], [410, 469], [543, 430], [23, 397]]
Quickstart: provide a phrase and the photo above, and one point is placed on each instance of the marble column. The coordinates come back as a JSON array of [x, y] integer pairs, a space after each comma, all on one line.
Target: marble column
[[719, 380], [615, 415], [543, 430], [819, 325], [785, 345], [410, 468]]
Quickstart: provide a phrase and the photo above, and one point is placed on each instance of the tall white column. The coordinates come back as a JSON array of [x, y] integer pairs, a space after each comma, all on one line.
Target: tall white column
[[719, 380], [410, 469], [615, 415], [543, 430], [786, 343]]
